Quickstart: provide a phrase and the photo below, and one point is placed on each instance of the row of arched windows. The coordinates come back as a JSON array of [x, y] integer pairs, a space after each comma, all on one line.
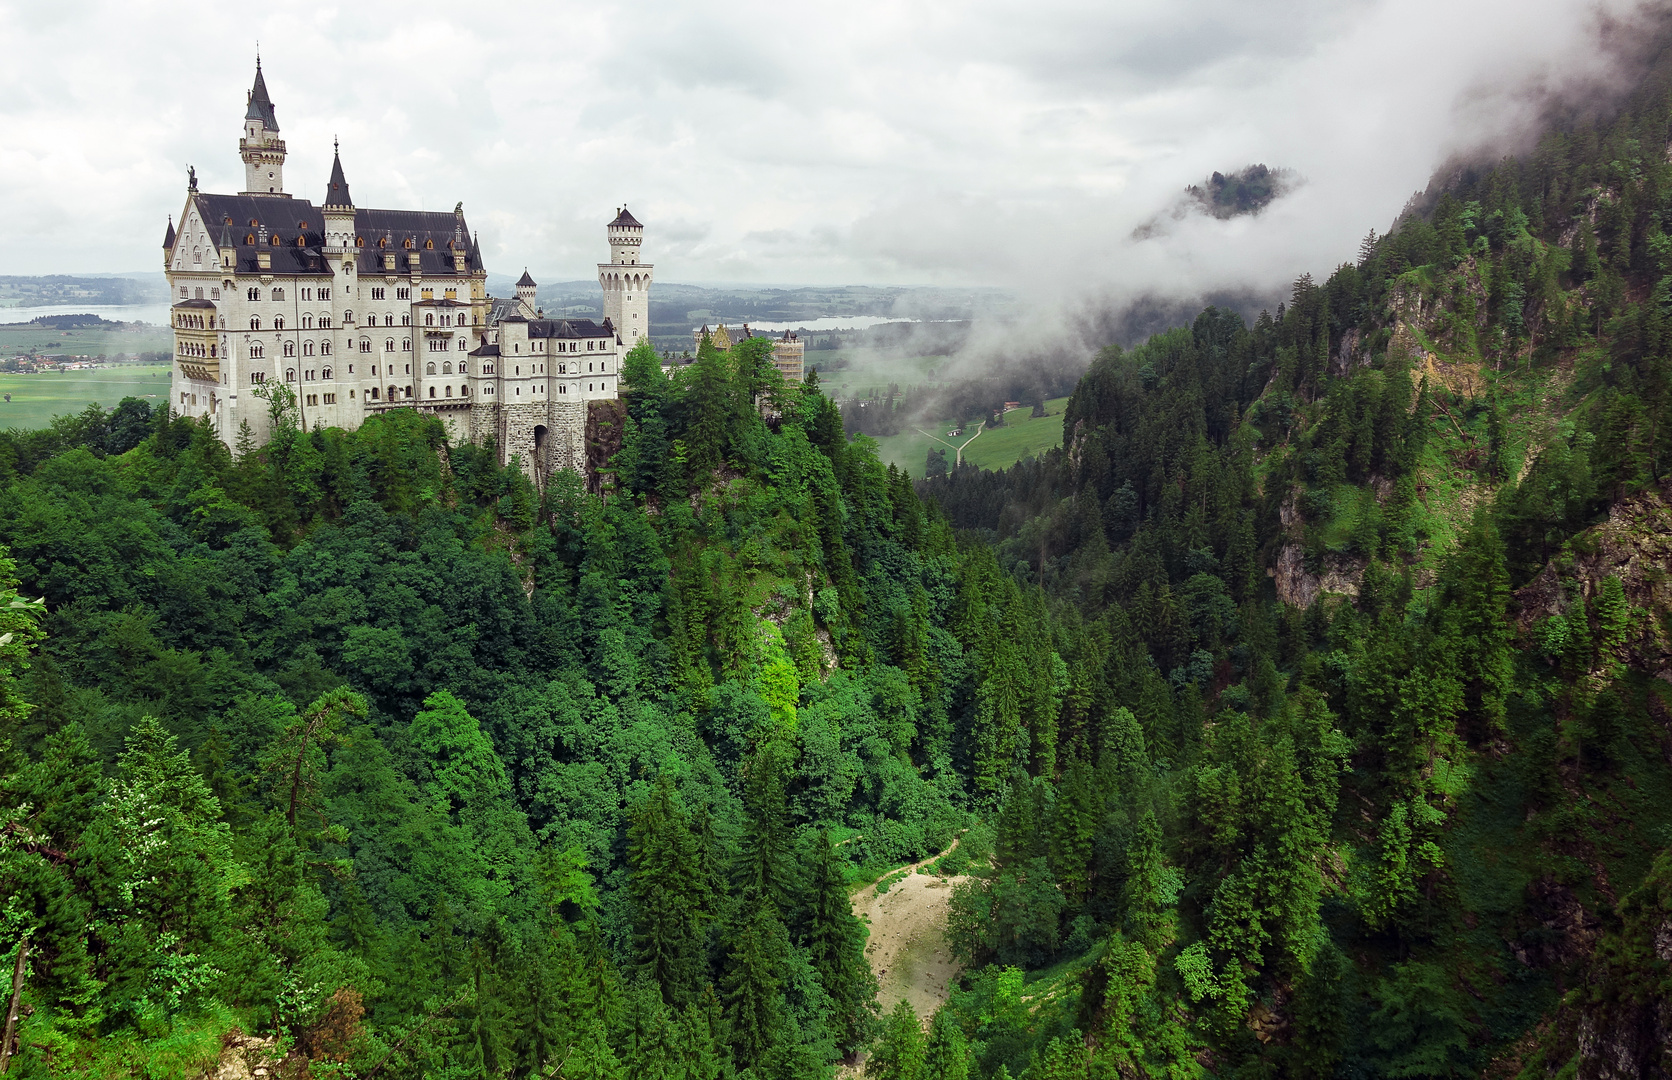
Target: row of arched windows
[[192, 348], [307, 348]]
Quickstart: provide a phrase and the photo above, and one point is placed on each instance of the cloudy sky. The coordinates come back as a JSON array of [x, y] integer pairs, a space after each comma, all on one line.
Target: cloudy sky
[[969, 143]]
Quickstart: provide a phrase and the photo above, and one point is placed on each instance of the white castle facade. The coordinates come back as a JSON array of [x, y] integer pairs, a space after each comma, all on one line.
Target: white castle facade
[[358, 311]]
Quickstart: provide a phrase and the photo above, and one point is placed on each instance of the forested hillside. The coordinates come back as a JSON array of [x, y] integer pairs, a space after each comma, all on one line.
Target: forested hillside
[[1364, 764], [359, 745], [1306, 714]]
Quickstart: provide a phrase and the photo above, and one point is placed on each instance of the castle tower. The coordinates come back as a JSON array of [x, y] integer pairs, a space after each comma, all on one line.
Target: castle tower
[[260, 146], [525, 294], [626, 280], [338, 207]]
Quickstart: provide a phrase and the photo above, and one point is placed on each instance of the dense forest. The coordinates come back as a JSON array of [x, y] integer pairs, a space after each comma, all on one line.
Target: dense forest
[[1307, 714]]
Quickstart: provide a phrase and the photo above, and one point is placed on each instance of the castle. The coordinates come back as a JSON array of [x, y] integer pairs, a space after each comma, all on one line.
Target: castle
[[357, 311]]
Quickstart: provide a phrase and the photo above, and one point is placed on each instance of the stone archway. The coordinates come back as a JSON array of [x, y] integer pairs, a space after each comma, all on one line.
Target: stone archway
[[542, 451]]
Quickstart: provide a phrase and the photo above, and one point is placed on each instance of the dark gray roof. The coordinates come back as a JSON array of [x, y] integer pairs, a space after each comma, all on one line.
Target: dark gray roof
[[567, 328], [168, 237], [525, 282], [622, 217], [292, 219], [261, 106], [484, 350], [336, 192], [195, 304]]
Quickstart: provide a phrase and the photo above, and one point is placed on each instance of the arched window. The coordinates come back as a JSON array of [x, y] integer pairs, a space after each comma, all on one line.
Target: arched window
[[197, 255], [325, 348], [406, 319], [464, 367], [255, 322], [461, 345], [278, 322], [301, 242], [407, 391], [464, 391], [446, 367], [278, 294], [365, 345], [487, 369], [449, 391], [249, 238], [348, 317], [253, 294], [374, 393], [388, 344], [289, 374], [325, 321], [429, 245], [256, 351], [359, 241], [408, 243], [394, 392], [307, 348], [211, 352], [325, 373], [429, 318], [307, 321], [429, 368], [290, 348], [406, 345], [274, 242], [432, 391]]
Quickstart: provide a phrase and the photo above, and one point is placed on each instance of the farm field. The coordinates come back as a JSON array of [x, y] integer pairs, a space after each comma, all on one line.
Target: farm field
[[20, 338], [995, 448], [36, 399]]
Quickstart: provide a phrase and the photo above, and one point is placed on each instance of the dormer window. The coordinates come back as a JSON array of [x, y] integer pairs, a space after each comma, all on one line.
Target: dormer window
[[429, 245], [275, 241], [249, 238]]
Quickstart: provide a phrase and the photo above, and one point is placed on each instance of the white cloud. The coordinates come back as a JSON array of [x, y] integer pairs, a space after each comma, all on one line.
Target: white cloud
[[979, 142]]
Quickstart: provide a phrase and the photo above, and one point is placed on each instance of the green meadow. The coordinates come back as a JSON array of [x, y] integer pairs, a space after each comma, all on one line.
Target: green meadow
[[35, 399]]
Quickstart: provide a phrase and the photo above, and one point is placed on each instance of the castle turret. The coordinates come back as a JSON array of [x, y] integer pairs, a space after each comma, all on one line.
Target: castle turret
[[168, 242], [626, 280], [260, 146], [338, 207], [525, 294]]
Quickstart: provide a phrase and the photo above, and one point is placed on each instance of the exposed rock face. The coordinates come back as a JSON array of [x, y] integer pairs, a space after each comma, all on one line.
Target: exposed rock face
[[245, 1057], [1634, 545]]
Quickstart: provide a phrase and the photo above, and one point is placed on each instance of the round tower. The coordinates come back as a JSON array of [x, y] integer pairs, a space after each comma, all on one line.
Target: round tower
[[260, 146], [626, 280], [525, 294]]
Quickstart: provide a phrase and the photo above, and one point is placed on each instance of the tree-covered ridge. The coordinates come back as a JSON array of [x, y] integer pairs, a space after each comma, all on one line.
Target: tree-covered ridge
[[360, 743], [1379, 818]]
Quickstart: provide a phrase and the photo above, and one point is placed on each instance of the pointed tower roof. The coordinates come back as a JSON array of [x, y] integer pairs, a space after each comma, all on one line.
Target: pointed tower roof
[[623, 217], [336, 193], [525, 281], [226, 237], [168, 237], [261, 106]]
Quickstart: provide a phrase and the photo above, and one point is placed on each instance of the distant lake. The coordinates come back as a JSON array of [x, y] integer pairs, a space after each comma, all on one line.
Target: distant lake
[[155, 314], [836, 322]]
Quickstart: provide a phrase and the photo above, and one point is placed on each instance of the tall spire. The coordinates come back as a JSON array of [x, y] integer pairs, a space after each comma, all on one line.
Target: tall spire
[[336, 193], [261, 106]]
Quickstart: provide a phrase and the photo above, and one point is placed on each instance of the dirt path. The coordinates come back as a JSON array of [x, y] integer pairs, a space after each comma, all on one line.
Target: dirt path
[[907, 948], [958, 449]]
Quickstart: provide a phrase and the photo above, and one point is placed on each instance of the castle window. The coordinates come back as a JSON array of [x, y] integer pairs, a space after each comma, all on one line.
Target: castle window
[[464, 367], [449, 391], [563, 369], [301, 241], [388, 344], [447, 367], [255, 322], [330, 399], [256, 350], [359, 241], [388, 320], [278, 322], [289, 374], [403, 293], [407, 243], [432, 389], [348, 316], [407, 392], [290, 348], [429, 318], [429, 368], [249, 238], [325, 320], [325, 294], [307, 322], [325, 348], [274, 242], [589, 346], [214, 294], [308, 375], [307, 348], [365, 345], [313, 399], [307, 294], [461, 345], [429, 245], [406, 344], [302, 225], [464, 391], [257, 377], [377, 293], [487, 369], [406, 319], [197, 255], [278, 294], [326, 374], [253, 294], [373, 393]]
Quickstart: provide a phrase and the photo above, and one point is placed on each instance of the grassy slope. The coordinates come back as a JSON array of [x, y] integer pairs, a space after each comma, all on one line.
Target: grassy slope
[[36, 399], [997, 448]]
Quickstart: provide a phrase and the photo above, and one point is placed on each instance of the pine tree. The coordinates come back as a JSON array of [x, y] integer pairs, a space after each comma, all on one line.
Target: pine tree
[[946, 1053], [752, 984], [835, 943], [669, 894], [898, 1054]]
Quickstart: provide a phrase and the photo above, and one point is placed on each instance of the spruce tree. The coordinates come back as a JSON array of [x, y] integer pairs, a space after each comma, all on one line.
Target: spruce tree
[[898, 1054], [835, 943], [669, 894], [752, 984]]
